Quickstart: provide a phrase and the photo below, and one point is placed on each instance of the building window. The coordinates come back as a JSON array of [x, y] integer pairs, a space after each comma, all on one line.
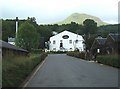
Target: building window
[[54, 49], [70, 48], [53, 41], [76, 41], [65, 37], [61, 41], [70, 41]]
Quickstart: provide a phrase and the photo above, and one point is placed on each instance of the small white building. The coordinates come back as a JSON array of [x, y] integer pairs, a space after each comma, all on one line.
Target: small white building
[[66, 41], [11, 40]]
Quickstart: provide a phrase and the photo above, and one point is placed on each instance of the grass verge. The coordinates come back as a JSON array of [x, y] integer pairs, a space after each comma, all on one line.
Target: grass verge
[[16, 69]]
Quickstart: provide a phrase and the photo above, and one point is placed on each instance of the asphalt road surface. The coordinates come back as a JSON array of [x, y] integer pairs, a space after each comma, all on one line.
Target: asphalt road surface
[[60, 70]]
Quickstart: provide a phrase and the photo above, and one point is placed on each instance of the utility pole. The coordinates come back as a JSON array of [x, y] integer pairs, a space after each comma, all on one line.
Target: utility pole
[[16, 26]]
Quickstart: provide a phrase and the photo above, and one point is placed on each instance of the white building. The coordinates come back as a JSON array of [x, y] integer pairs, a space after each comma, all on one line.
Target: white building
[[66, 41], [11, 40]]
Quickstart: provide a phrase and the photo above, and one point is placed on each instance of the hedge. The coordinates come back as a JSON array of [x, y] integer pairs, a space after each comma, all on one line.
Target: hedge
[[76, 54], [111, 60], [57, 52]]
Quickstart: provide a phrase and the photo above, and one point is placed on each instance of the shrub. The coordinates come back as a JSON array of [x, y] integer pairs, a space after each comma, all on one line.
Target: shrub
[[37, 51], [111, 60], [76, 54], [57, 52]]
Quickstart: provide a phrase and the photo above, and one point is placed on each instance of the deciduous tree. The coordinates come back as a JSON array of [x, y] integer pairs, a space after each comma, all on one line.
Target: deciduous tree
[[90, 27], [27, 36]]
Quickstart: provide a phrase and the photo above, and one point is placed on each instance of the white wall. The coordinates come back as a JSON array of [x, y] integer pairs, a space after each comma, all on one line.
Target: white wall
[[13, 43], [65, 42]]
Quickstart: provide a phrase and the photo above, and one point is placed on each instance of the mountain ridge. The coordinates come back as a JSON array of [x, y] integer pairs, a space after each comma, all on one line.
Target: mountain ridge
[[79, 18]]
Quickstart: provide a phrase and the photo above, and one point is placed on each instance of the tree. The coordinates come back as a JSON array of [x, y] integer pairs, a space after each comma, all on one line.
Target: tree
[[90, 27], [8, 29], [32, 20], [80, 29], [45, 31], [106, 29], [27, 36]]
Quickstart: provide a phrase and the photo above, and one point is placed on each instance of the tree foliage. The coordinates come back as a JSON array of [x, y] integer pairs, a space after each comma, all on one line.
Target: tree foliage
[[45, 31], [90, 26], [8, 29], [27, 36], [105, 30]]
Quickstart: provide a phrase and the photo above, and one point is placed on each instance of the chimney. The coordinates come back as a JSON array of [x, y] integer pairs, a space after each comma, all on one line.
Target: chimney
[[16, 26]]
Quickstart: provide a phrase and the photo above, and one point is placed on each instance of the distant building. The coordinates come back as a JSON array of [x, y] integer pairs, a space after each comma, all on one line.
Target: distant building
[[98, 46], [109, 45], [9, 49], [66, 41], [11, 40], [113, 43]]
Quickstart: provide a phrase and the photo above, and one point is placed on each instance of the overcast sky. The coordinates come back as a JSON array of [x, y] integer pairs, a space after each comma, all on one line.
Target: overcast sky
[[50, 11]]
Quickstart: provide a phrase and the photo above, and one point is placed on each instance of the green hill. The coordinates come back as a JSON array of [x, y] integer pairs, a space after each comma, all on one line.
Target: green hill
[[79, 18]]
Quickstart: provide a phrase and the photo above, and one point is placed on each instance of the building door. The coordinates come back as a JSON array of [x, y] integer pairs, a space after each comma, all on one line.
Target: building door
[[61, 45]]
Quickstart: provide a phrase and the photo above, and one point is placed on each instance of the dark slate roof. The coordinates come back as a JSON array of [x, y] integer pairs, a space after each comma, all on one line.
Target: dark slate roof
[[4, 44], [115, 37], [101, 40]]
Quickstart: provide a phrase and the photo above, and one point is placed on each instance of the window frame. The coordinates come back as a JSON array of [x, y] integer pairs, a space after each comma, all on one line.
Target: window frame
[[54, 42], [70, 41]]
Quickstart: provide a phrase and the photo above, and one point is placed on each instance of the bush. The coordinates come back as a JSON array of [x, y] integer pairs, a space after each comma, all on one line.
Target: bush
[[16, 69], [111, 60], [76, 54], [37, 51], [57, 52]]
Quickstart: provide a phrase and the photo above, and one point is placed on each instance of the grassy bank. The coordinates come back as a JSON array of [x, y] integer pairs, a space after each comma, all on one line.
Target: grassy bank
[[16, 69], [111, 60]]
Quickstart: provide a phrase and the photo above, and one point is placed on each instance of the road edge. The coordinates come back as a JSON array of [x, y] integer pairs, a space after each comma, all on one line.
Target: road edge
[[32, 74]]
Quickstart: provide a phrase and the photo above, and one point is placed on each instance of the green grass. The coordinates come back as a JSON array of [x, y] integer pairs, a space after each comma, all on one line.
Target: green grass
[[111, 60], [16, 69]]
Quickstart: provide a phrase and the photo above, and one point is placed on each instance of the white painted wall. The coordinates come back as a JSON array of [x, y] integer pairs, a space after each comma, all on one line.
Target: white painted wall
[[11, 40], [66, 44], [13, 43]]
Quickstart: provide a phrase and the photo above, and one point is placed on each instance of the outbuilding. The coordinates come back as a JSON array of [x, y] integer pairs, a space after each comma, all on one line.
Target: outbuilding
[[112, 43], [98, 46], [9, 49]]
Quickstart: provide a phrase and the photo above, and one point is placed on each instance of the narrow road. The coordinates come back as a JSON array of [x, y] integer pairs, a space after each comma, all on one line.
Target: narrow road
[[60, 70]]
